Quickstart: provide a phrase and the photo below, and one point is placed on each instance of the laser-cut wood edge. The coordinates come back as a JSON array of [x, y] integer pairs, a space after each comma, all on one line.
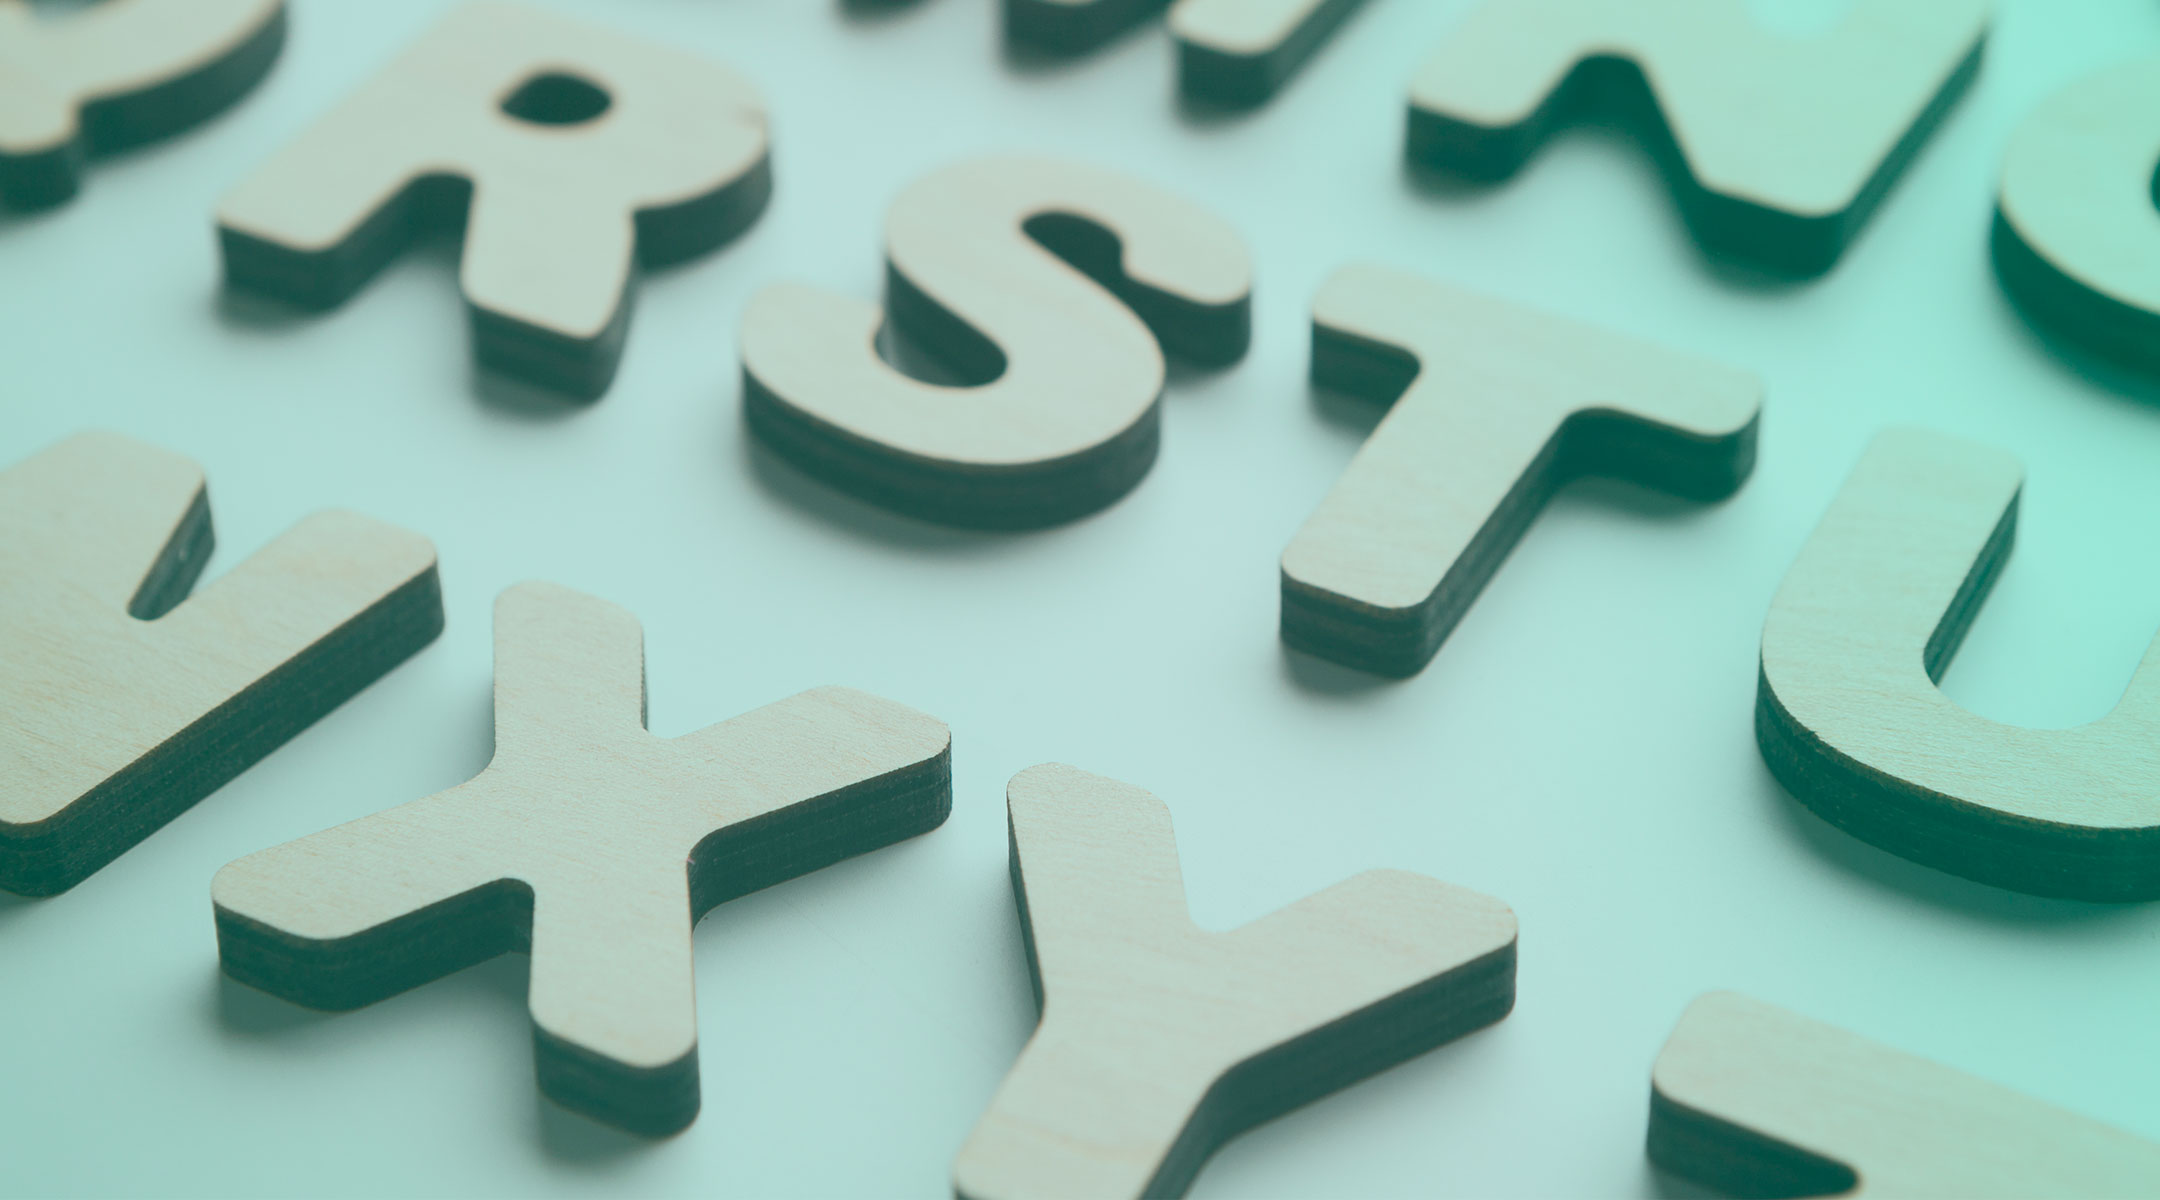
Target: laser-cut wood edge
[[1008, 497], [2068, 311], [1973, 841], [583, 368], [1070, 28], [1798, 245], [1304, 1069], [420, 946], [196, 92], [318, 279], [1689, 1139], [1215, 71], [48, 856], [1398, 643]]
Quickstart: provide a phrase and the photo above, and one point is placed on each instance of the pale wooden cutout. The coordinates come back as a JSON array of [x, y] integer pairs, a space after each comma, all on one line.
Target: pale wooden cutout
[[1025, 272], [1851, 722], [1240, 52], [1230, 52], [1160, 1041], [118, 74], [122, 701], [591, 844], [1778, 148], [1752, 1100], [558, 213], [1500, 406], [2077, 223]]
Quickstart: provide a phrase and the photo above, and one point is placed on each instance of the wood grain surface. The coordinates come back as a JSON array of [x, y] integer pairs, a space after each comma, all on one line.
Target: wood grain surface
[[117, 74], [1493, 409], [1054, 287], [589, 843], [1752, 1100], [1777, 148], [1160, 1041], [122, 700], [557, 207]]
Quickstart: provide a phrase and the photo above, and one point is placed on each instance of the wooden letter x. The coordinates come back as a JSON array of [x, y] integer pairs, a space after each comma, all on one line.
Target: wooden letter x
[[1755, 1101], [1159, 1041], [1499, 407], [122, 701], [590, 843]]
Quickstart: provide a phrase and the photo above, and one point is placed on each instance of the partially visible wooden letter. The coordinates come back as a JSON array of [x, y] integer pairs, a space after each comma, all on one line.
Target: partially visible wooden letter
[[577, 153], [2077, 225], [1230, 52], [592, 844], [1159, 1042], [1751, 1100], [1778, 147], [115, 75], [1851, 722], [1051, 280], [123, 702], [1499, 406]]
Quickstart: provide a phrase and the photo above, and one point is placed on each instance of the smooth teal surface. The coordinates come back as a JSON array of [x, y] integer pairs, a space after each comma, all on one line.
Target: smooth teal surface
[[1581, 747]]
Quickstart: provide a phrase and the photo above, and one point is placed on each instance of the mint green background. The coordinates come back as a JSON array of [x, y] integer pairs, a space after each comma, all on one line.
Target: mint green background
[[1581, 747]]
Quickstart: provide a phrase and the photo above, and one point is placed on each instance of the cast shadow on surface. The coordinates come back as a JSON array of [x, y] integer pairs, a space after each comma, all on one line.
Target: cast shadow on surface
[[19, 220], [1439, 1071], [875, 12], [1026, 61], [871, 522], [245, 1011], [103, 156], [1318, 676], [434, 258], [1200, 113], [490, 991], [861, 519], [1631, 502], [1654, 1184], [1926, 885], [1636, 166], [2095, 370], [13, 906]]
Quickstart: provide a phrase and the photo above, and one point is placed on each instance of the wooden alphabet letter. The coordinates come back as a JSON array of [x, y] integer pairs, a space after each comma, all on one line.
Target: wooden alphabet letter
[[115, 75], [589, 843], [1239, 52], [1850, 720], [1778, 148], [1499, 407], [2077, 225], [1018, 272], [1159, 1041], [1751, 1100], [1230, 52], [123, 702], [567, 152]]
